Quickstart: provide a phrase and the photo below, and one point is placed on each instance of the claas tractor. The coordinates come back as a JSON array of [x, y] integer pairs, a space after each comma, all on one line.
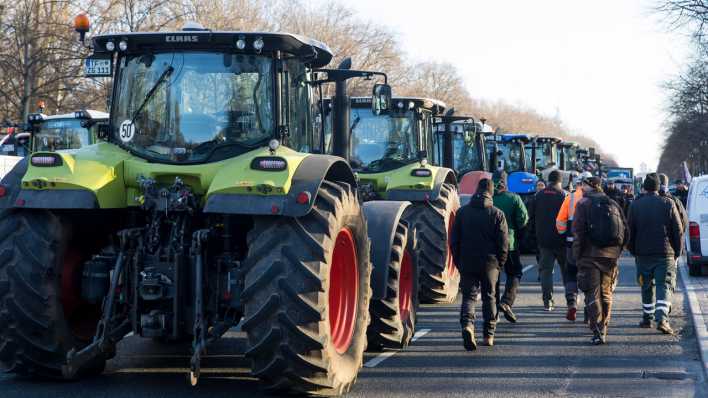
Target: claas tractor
[[206, 206], [390, 152]]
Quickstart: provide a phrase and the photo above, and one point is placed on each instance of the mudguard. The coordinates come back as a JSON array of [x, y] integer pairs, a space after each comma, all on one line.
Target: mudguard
[[443, 175], [382, 218], [307, 178], [469, 182]]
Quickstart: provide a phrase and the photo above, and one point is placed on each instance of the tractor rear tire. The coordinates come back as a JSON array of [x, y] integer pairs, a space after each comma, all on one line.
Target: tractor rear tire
[[393, 317], [307, 296], [35, 334], [439, 278]]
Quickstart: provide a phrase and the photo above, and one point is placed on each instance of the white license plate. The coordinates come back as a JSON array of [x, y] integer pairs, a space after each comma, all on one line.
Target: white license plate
[[98, 67]]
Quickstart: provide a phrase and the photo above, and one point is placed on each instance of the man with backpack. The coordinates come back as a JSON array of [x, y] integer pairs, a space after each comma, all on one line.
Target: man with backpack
[[656, 243], [479, 243], [551, 244], [516, 219], [600, 232]]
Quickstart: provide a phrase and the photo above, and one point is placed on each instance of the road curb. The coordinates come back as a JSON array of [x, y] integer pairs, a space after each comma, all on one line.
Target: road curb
[[699, 323]]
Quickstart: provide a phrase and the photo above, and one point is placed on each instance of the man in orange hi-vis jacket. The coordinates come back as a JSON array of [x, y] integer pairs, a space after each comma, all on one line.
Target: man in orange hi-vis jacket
[[564, 225]]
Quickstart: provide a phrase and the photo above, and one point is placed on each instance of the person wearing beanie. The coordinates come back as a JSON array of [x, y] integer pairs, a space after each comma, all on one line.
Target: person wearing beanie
[[655, 241], [479, 242], [600, 233], [516, 219], [551, 244]]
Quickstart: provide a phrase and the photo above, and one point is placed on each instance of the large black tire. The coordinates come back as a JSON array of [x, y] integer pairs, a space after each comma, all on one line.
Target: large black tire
[[35, 334], [393, 317], [439, 278], [288, 295]]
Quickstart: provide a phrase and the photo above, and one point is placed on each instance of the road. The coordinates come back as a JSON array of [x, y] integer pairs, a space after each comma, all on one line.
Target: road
[[542, 355]]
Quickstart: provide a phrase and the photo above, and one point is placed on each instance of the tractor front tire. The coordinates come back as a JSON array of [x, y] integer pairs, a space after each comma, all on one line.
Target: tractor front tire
[[307, 295], [393, 317], [439, 278], [35, 334]]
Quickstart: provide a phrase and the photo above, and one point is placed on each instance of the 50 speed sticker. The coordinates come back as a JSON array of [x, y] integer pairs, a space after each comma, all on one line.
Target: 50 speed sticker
[[127, 131]]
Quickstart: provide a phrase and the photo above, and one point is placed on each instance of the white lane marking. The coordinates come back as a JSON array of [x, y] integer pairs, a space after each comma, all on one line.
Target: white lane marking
[[528, 267], [698, 321], [372, 363]]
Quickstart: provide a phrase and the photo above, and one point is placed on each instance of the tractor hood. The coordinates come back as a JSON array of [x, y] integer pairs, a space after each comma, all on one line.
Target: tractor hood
[[522, 183]]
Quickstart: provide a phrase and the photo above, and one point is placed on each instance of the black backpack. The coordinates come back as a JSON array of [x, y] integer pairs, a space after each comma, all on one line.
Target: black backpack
[[605, 222]]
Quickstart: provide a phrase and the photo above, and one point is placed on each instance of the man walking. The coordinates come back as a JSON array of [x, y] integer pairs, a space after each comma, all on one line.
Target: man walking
[[564, 226], [516, 219], [664, 191], [551, 244], [479, 242], [600, 233], [655, 241]]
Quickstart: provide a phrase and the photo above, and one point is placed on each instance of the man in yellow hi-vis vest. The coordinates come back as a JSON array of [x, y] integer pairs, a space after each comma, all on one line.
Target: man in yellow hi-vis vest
[[564, 225]]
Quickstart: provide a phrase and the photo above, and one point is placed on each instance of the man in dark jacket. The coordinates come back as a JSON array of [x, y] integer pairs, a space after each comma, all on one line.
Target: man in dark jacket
[[664, 191], [480, 243], [551, 244], [597, 262], [655, 241], [516, 219]]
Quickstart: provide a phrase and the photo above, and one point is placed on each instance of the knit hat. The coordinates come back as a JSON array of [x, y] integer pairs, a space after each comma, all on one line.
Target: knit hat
[[651, 182], [593, 181], [663, 182], [554, 177]]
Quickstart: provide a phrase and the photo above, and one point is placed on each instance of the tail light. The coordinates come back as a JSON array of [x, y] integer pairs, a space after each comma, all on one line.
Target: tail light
[[694, 231], [269, 163], [48, 160]]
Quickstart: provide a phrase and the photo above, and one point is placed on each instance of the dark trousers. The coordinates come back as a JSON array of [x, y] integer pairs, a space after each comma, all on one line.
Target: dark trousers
[[484, 277], [657, 277], [571, 273], [514, 271], [549, 256], [597, 278]]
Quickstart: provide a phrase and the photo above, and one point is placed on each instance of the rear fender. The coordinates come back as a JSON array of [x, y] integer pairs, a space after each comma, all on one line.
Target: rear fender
[[382, 218], [307, 179], [469, 182]]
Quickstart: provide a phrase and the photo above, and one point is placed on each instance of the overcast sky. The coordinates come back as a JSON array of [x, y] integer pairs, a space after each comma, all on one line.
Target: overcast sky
[[599, 63]]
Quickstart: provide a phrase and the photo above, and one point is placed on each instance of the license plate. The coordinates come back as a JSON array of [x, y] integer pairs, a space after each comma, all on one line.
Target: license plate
[[98, 67]]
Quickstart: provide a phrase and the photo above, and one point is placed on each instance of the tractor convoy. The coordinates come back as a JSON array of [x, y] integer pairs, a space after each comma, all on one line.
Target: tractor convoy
[[222, 189]]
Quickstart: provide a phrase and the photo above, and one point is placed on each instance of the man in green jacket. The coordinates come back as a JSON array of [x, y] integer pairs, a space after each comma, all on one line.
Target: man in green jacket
[[517, 217]]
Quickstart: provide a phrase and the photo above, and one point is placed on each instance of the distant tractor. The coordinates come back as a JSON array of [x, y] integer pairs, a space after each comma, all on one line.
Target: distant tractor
[[205, 207]]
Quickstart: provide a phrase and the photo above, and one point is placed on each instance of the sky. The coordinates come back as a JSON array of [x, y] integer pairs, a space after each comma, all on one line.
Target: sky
[[599, 64]]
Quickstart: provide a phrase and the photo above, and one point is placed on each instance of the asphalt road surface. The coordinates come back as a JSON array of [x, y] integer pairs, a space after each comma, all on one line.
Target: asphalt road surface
[[542, 355]]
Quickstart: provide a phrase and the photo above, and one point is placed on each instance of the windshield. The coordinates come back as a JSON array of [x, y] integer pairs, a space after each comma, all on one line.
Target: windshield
[[59, 134], [466, 153], [544, 155], [508, 155], [381, 143], [571, 158], [201, 102]]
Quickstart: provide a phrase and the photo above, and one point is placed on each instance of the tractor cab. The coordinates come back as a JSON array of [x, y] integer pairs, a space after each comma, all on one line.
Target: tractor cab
[[542, 153], [508, 153], [459, 144], [568, 156], [65, 132]]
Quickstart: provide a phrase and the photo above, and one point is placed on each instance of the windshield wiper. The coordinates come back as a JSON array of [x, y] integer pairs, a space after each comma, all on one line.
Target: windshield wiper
[[168, 71]]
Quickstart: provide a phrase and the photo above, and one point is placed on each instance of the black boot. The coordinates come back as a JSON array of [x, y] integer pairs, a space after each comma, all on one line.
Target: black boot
[[468, 338], [508, 313]]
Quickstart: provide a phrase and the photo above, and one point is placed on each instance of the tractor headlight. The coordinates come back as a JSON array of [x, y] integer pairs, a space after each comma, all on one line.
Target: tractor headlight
[[110, 46], [123, 45], [258, 44]]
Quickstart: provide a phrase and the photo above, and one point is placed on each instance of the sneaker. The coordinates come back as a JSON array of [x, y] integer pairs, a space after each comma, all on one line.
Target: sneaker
[[468, 338], [646, 324], [548, 305], [508, 313], [597, 339], [664, 327], [570, 315], [489, 341]]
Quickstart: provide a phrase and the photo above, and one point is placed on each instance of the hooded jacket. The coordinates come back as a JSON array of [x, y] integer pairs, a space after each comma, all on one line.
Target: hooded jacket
[[479, 235], [654, 226], [514, 212]]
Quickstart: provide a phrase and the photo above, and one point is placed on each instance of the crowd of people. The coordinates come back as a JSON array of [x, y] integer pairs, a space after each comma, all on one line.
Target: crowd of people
[[584, 229]]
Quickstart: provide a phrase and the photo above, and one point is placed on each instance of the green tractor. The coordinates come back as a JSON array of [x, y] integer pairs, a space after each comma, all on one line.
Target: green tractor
[[205, 207], [389, 152]]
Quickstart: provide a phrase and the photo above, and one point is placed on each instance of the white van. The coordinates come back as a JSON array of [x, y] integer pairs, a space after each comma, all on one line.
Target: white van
[[697, 236]]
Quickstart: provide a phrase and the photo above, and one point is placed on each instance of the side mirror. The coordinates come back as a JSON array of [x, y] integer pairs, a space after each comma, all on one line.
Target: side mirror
[[381, 99]]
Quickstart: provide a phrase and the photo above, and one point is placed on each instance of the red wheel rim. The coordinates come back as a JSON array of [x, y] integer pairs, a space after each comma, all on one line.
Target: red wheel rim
[[405, 286], [343, 291], [451, 269]]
